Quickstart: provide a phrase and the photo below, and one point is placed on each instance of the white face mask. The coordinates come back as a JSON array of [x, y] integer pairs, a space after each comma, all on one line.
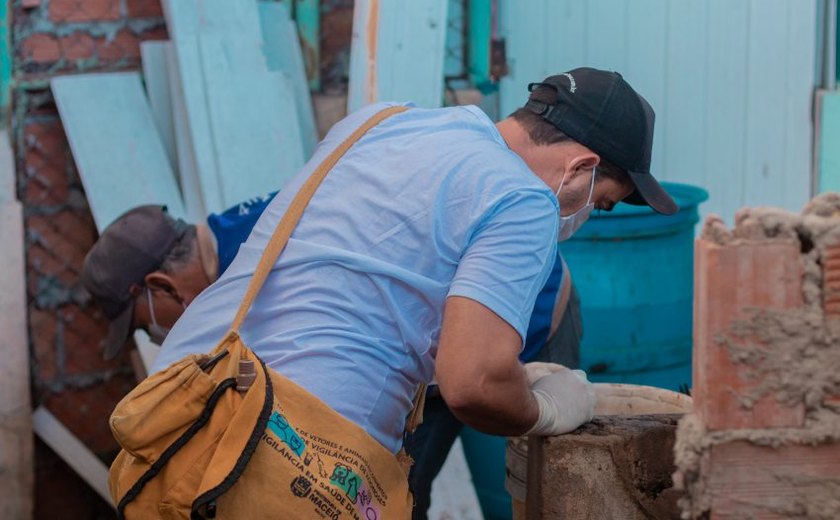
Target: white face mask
[[157, 333], [571, 223]]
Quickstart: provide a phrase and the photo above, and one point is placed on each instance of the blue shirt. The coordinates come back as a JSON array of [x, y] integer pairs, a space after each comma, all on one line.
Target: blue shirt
[[428, 204], [232, 227]]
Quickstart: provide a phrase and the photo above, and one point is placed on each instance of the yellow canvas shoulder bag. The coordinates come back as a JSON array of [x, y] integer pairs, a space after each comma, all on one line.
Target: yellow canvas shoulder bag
[[223, 436]]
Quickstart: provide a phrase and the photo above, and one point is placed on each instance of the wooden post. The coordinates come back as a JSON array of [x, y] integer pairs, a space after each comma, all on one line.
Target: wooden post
[[16, 471]]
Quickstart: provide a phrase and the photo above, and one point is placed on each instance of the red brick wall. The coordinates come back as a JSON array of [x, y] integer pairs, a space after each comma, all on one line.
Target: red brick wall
[[69, 376]]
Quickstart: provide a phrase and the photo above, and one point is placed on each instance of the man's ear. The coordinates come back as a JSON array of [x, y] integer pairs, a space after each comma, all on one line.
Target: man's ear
[[207, 252], [157, 280], [584, 162]]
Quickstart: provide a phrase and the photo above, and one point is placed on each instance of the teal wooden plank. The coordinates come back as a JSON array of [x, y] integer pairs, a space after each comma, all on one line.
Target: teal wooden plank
[[397, 52], [683, 119], [196, 144], [606, 33], [188, 175], [308, 18], [765, 165], [480, 32], [726, 107], [572, 39], [800, 64], [5, 57], [125, 165], [156, 79], [241, 117], [187, 21], [524, 58], [254, 124], [283, 53], [829, 136], [453, 64], [646, 44]]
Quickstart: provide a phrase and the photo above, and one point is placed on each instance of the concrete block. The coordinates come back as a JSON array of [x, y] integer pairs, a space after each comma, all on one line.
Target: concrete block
[[613, 467]]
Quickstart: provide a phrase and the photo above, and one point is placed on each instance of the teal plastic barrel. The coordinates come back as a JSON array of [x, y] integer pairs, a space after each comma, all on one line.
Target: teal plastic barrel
[[634, 271]]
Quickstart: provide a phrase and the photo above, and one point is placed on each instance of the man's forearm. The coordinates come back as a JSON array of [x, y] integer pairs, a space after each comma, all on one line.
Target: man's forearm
[[499, 404]]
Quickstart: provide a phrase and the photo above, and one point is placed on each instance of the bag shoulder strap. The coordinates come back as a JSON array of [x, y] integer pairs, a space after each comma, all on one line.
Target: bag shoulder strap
[[287, 224]]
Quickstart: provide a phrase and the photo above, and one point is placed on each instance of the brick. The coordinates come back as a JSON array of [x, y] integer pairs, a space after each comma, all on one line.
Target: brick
[[144, 8], [158, 33], [613, 467], [766, 483], [831, 282], [64, 234], [41, 262], [84, 329], [46, 164], [42, 333], [78, 45], [40, 48], [730, 281], [57, 245], [83, 10], [124, 46], [85, 411]]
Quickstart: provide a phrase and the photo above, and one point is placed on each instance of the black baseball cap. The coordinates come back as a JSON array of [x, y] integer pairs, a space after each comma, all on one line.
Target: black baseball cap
[[601, 111], [134, 245]]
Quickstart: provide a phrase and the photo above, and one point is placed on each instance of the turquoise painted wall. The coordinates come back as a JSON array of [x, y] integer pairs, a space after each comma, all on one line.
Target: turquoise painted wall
[[731, 82]]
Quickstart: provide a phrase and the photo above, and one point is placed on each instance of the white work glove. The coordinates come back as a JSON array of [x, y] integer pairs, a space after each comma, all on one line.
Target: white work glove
[[566, 399], [537, 369]]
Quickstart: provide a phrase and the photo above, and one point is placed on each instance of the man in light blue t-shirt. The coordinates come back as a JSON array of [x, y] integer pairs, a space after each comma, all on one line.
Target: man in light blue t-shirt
[[422, 253]]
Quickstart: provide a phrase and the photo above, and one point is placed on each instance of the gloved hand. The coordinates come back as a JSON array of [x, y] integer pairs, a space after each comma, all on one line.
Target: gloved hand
[[565, 397], [537, 369]]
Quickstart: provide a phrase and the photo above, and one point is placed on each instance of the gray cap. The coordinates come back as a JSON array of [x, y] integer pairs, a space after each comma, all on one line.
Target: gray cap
[[134, 245]]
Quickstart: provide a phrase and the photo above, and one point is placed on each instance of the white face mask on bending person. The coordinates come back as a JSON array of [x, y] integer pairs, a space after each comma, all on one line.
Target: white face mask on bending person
[[571, 223], [157, 333]]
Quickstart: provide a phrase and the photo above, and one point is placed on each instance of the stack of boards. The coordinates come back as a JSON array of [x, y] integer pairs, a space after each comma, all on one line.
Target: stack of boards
[[222, 111], [225, 116], [226, 113]]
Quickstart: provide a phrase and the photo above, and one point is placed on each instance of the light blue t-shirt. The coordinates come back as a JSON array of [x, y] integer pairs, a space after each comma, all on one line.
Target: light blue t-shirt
[[428, 204]]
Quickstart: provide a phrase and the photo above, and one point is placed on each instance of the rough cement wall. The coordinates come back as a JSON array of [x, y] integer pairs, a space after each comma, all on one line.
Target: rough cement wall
[[51, 37], [764, 439]]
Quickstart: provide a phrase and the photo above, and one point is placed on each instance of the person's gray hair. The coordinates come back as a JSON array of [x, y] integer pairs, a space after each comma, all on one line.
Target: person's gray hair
[[182, 253]]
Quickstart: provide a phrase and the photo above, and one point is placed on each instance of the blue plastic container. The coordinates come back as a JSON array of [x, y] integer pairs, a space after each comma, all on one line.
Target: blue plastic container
[[634, 271]]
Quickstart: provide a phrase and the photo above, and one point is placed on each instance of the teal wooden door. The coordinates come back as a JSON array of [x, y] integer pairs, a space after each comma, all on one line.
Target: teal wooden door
[[731, 82]]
